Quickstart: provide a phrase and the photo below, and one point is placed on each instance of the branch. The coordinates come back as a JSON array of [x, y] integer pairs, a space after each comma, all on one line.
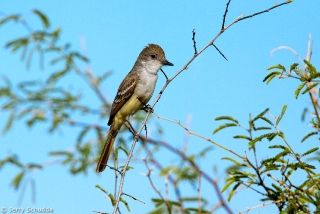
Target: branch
[[200, 136], [163, 89], [153, 186], [258, 206], [134, 198], [219, 51], [290, 49], [194, 41], [168, 176], [265, 11], [195, 167], [225, 15]]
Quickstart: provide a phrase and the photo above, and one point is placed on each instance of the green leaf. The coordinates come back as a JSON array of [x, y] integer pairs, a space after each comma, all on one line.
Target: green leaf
[[304, 112], [255, 140], [8, 18], [308, 135], [227, 185], [160, 202], [43, 18], [159, 210], [310, 151], [205, 150], [260, 115], [17, 180], [278, 147], [227, 118], [113, 201], [9, 123], [293, 66], [166, 170], [195, 210], [123, 149], [17, 44], [104, 76], [128, 167], [224, 126], [262, 128], [279, 66], [57, 76], [59, 153], [234, 161], [309, 88], [83, 133], [103, 190], [281, 115], [233, 191], [79, 56], [270, 76], [266, 119], [311, 68], [157, 201], [34, 166], [297, 92], [314, 76], [298, 71], [125, 203], [269, 80], [276, 187], [242, 137]]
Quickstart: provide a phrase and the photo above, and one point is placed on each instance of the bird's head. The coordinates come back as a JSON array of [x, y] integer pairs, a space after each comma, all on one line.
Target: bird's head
[[153, 56]]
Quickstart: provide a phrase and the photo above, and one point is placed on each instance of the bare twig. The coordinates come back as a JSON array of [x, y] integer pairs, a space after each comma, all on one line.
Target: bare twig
[[309, 51], [199, 193], [153, 186], [220, 52], [225, 15], [200, 136], [166, 183], [250, 187], [134, 198], [115, 169], [265, 11], [194, 41], [290, 49], [164, 73], [195, 167], [258, 206], [168, 176]]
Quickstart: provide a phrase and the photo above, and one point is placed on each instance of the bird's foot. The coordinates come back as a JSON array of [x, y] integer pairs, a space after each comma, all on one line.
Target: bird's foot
[[147, 108]]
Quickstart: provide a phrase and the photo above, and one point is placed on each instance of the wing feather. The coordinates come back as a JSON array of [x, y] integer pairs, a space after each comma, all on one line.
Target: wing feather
[[125, 91]]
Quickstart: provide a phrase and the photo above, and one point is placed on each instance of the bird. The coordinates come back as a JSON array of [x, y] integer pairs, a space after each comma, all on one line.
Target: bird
[[134, 92]]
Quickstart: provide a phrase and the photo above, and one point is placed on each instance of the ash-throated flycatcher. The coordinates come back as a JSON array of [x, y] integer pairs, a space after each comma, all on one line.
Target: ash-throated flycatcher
[[134, 92]]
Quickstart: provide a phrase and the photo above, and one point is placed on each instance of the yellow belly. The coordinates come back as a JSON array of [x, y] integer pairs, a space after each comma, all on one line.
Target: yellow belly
[[129, 108]]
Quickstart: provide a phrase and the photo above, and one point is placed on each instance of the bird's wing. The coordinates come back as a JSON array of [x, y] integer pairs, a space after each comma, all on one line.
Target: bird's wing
[[124, 93]]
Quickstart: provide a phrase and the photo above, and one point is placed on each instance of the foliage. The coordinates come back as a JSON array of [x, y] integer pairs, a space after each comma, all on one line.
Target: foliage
[[277, 175], [50, 102]]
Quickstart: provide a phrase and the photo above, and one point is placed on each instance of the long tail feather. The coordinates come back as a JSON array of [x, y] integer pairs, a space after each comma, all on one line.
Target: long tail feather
[[106, 150]]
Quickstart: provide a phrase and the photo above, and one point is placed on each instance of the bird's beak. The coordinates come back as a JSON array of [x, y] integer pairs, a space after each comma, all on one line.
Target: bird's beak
[[167, 63]]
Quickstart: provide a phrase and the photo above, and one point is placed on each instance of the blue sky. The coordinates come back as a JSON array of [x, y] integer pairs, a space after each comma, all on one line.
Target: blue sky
[[115, 33]]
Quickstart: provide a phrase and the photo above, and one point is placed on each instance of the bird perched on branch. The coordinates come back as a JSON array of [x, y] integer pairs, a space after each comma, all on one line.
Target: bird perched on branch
[[134, 92]]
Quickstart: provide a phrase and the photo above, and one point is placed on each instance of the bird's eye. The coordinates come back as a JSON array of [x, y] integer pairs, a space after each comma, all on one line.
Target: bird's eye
[[153, 56]]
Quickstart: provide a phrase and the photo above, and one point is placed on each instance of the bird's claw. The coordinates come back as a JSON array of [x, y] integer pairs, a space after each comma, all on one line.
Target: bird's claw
[[147, 108]]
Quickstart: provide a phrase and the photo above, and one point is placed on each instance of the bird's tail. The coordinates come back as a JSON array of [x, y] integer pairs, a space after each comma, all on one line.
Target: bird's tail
[[106, 150]]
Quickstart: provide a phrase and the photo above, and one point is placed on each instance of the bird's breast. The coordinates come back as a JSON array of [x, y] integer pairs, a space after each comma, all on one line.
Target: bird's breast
[[145, 86]]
